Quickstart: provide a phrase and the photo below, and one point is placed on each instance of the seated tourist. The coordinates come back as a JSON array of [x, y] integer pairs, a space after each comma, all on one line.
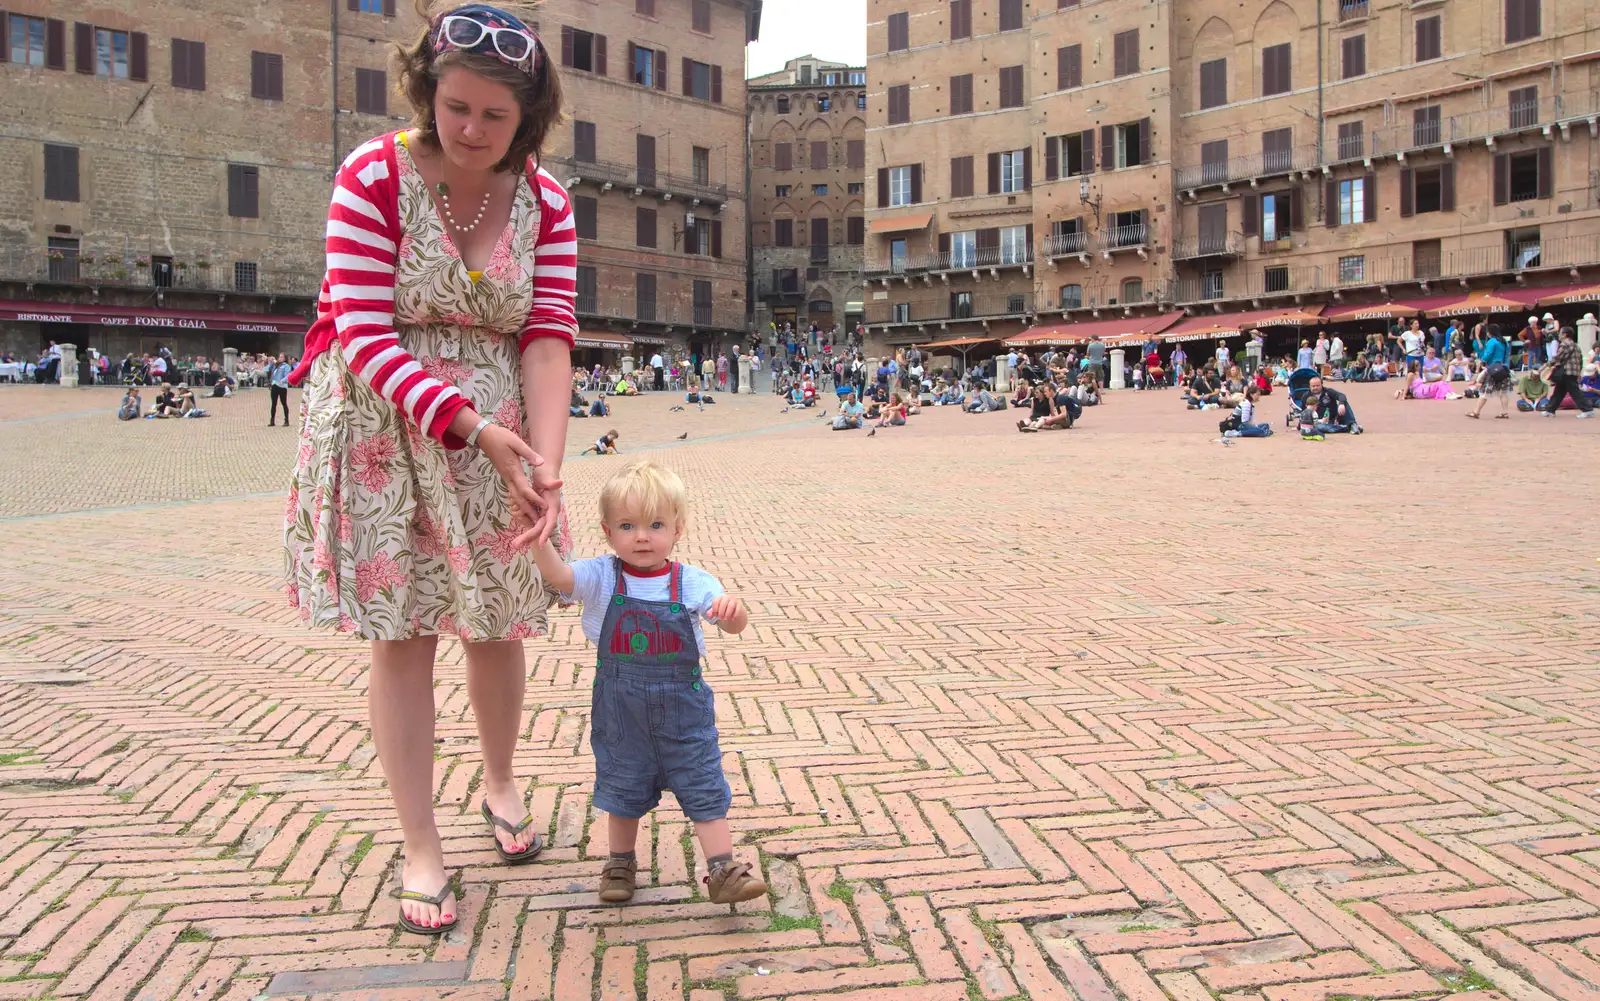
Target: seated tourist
[[625, 388], [1460, 367], [187, 405], [893, 413], [166, 404], [1327, 410], [578, 406], [1047, 412], [1432, 368], [1241, 423], [851, 414], [1202, 393], [1087, 391], [131, 405], [600, 408], [1023, 396], [1531, 391]]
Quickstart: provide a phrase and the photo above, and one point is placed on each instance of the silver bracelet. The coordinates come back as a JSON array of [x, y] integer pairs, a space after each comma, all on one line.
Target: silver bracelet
[[472, 436]]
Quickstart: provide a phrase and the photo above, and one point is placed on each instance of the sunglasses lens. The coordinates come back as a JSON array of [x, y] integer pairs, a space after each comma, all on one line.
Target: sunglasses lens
[[513, 45], [463, 32]]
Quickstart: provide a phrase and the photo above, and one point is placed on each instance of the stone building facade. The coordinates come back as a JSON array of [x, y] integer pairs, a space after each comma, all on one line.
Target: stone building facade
[[166, 175], [1041, 162], [807, 127]]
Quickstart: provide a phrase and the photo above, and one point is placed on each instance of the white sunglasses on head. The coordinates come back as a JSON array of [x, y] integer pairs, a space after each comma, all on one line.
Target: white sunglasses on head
[[461, 32]]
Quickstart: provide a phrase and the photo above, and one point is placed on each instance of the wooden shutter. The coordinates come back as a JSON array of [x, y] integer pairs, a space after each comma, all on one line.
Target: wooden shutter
[[1213, 83], [631, 71], [55, 44], [1010, 15], [1330, 204], [819, 155], [1144, 140], [1086, 140], [5, 42], [138, 56], [1447, 187], [716, 85], [916, 184], [955, 178], [1408, 191], [883, 187], [855, 230], [83, 47], [1213, 225], [716, 238], [566, 45], [1546, 172], [1297, 209], [354, 6], [251, 190], [180, 57], [658, 68], [1369, 191], [960, 19], [855, 153], [258, 74], [1069, 67], [1108, 147], [644, 227], [197, 65], [782, 156], [275, 77], [1250, 208], [688, 77], [1428, 39], [1502, 178], [994, 173], [599, 45], [388, 8], [944, 243], [1052, 158], [783, 232], [1355, 56], [1006, 99], [1027, 168]]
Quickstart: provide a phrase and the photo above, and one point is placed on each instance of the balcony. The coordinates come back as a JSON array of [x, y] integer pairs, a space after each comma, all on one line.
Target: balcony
[[780, 289], [1351, 10], [885, 267], [1265, 283], [943, 309], [1135, 237], [989, 258], [1239, 169], [1066, 245], [145, 272], [1192, 248], [1487, 124], [609, 174]]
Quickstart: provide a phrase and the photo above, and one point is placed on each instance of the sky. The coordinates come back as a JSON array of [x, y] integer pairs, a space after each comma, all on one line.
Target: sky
[[828, 29]]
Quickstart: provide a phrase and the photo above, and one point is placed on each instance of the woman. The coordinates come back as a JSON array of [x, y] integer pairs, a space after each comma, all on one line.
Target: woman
[[436, 343]]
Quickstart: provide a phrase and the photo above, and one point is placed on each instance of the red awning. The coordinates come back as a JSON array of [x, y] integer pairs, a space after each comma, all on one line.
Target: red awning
[[1347, 313], [1560, 295], [1206, 325], [1479, 303], [156, 318], [602, 339], [1062, 334]]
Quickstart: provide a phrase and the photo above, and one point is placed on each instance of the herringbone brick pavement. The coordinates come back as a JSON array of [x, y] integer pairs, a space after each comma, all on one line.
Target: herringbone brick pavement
[[1115, 713]]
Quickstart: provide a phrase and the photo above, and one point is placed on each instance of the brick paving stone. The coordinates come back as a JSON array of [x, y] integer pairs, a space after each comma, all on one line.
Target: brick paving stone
[[1209, 748]]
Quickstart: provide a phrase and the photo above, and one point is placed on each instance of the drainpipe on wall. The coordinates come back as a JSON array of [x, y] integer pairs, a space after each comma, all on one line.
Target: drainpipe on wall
[[1321, 122], [333, 101]]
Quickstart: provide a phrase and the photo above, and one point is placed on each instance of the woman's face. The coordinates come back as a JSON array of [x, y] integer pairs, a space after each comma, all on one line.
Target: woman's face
[[476, 118]]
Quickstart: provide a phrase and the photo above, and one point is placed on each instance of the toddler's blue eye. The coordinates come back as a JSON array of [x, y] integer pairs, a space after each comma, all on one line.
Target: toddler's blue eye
[[656, 525]]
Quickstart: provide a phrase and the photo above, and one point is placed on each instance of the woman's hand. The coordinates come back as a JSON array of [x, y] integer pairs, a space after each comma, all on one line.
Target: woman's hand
[[506, 451], [548, 489]]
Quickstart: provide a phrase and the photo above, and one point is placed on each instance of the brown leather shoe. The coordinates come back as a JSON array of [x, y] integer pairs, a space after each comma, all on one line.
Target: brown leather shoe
[[734, 882], [616, 880]]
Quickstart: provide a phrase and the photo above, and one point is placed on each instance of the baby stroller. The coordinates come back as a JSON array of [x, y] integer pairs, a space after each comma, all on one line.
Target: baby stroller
[[1299, 386]]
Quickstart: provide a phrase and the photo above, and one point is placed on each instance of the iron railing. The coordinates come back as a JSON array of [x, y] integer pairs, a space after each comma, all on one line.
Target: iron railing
[[1243, 168], [144, 272], [1189, 248], [1479, 123], [1124, 237], [880, 265], [1065, 244], [977, 306], [982, 257], [1349, 10]]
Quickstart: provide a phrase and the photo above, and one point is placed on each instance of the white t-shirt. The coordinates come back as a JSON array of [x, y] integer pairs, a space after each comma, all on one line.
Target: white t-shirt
[[1412, 339], [655, 361], [594, 581], [1337, 349], [1222, 360]]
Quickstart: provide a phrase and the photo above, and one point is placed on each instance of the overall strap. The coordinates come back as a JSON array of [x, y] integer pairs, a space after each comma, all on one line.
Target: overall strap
[[675, 583], [616, 566]]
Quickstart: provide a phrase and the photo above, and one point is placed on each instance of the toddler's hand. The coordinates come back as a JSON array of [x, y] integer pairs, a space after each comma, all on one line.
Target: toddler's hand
[[726, 610]]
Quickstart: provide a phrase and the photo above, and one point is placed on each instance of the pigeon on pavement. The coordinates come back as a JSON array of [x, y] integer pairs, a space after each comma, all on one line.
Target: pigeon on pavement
[[683, 436], [872, 432]]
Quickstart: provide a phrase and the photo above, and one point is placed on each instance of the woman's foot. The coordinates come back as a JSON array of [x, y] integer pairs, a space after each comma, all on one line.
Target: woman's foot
[[426, 876], [506, 801]]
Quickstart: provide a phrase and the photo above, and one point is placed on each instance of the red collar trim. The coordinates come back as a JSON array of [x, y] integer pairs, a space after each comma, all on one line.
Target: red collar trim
[[631, 572]]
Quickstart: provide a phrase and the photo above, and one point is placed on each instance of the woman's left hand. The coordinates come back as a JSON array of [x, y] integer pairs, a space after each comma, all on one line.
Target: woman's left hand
[[548, 488]]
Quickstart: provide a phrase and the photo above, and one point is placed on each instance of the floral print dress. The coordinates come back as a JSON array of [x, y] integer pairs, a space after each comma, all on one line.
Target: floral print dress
[[388, 534]]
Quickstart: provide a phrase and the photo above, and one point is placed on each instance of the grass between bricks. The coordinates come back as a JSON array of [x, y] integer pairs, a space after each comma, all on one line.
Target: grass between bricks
[[194, 933], [782, 922], [365, 846], [11, 759], [1468, 980], [840, 890]]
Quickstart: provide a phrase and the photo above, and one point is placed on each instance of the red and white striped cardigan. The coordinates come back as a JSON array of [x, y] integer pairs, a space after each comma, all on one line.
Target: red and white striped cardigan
[[356, 306]]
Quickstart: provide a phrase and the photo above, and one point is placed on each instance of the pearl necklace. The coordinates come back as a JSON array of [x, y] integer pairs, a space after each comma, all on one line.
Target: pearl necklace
[[444, 197]]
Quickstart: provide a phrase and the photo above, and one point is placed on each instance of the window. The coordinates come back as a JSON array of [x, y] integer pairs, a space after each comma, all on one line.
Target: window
[[824, 103], [702, 303], [1429, 39], [1275, 279], [583, 50], [1014, 245], [899, 31], [1211, 285], [703, 238], [244, 191], [1276, 77], [1274, 217], [1071, 296], [700, 15], [644, 226], [1524, 107], [855, 153], [780, 191], [1069, 67], [645, 69], [585, 211], [60, 173], [1016, 302], [1427, 258], [1523, 249], [1214, 161], [377, 7], [805, 75], [964, 249], [1213, 83], [861, 102], [111, 49], [645, 8], [583, 141], [783, 156], [900, 104], [1011, 86], [960, 19], [372, 92], [855, 230], [1426, 126], [266, 76], [1352, 269], [960, 305], [644, 297], [783, 104], [1125, 52], [700, 164], [830, 79], [1014, 171], [1431, 189], [588, 282], [897, 256], [858, 78], [855, 188], [1010, 15], [1527, 176], [1277, 150], [1127, 228], [1522, 20], [244, 276], [1352, 201], [1351, 143], [819, 155], [961, 177], [1353, 51], [902, 311], [783, 232], [63, 254], [899, 186], [1132, 290], [819, 189], [188, 64], [961, 94], [1132, 143], [28, 40], [702, 81], [1077, 154]]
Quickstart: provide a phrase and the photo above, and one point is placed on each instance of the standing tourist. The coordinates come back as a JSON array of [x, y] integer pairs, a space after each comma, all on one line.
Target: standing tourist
[[442, 339], [1305, 356], [1319, 354], [660, 368], [1336, 353], [1566, 371], [278, 383]]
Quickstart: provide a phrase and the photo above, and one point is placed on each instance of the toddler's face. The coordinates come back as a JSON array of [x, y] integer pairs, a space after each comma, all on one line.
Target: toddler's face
[[642, 539]]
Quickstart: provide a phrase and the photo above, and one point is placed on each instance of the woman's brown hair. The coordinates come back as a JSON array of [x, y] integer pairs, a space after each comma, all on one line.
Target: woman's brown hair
[[539, 96]]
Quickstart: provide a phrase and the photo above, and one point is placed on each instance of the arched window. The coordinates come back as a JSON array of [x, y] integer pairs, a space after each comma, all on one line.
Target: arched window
[[1071, 296], [1132, 290]]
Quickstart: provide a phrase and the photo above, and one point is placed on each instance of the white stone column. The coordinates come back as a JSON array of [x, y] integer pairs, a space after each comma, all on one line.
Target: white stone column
[[1587, 328], [1002, 374], [1117, 382], [68, 372], [230, 362], [745, 385], [627, 364]]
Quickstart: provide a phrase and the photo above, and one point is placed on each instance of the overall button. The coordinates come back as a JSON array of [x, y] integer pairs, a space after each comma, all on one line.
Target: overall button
[[676, 608], [697, 686], [617, 600]]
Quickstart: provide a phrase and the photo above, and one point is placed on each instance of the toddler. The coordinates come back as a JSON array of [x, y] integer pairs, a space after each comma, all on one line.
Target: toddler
[[651, 724], [605, 445]]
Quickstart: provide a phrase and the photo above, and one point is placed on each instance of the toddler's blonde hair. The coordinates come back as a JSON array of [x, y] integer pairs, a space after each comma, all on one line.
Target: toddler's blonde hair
[[654, 490]]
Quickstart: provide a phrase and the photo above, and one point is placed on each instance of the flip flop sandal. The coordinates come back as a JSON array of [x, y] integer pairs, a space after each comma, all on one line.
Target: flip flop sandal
[[528, 854], [1502, 417], [437, 900], [1473, 416]]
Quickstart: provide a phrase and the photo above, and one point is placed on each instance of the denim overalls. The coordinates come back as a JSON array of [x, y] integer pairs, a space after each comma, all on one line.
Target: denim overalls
[[653, 723]]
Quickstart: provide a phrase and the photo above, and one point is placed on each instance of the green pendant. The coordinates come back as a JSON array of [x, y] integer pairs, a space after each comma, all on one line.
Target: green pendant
[[443, 189]]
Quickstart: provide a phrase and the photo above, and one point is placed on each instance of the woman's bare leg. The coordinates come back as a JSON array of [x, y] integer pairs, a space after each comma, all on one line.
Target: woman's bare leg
[[496, 677], [400, 702]]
